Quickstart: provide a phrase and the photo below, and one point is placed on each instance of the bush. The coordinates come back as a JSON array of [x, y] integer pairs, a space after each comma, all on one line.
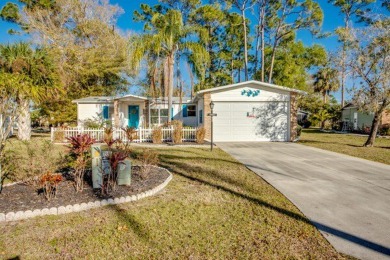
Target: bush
[[108, 137], [130, 133], [177, 135], [110, 180], [157, 135], [49, 184], [32, 159], [385, 130], [80, 151], [200, 135], [148, 158]]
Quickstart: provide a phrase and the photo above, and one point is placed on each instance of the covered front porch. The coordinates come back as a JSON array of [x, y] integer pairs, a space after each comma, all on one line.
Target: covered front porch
[[129, 111]]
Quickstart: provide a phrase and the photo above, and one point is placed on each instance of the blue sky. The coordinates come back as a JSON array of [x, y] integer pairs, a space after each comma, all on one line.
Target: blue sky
[[332, 20]]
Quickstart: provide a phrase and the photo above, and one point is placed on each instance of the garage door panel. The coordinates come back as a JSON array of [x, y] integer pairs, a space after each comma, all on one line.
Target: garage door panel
[[251, 121]]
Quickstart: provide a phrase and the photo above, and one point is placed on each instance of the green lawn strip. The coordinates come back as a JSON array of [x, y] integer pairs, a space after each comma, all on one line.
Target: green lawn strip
[[213, 208], [348, 144]]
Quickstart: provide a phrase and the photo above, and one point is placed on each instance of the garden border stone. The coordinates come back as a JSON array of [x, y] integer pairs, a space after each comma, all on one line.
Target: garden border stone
[[19, 215]]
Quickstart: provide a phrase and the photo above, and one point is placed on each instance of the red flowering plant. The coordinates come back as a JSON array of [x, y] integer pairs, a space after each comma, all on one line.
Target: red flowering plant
[[49, 184], [80, 150], [110, 179]]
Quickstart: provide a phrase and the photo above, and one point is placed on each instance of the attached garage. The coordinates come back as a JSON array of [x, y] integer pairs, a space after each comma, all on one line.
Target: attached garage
[[250, 111]]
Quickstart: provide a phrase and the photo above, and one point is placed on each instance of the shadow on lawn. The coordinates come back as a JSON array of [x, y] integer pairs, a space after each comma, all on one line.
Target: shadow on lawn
[[181, 170], [125, 217]]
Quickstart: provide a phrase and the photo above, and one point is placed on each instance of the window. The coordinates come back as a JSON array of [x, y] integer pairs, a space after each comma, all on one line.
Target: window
[[158, 116], [191, 110], [154, 120], [163, 116]]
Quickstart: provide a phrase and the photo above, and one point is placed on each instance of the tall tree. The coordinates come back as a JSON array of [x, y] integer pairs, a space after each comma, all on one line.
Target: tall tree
[[244, 6], [326, 80], [167, 38], [368, 57], [350, 9], [293, 62], [213, 19], [287, 17], [34, 80], [263, 9], [88, 51]]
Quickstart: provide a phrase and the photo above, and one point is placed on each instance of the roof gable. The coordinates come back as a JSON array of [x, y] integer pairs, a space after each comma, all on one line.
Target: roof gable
[[253, 83]]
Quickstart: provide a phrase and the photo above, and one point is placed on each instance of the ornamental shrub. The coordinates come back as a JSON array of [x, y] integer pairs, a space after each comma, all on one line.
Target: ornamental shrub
[[157, 135], [200, 135]]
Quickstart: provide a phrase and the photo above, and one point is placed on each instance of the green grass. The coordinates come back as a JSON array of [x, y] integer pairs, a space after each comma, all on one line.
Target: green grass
[[348, 144], [214, 208]]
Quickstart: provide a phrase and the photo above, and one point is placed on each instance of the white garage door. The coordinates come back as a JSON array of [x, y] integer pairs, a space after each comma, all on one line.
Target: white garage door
[[251, 121]]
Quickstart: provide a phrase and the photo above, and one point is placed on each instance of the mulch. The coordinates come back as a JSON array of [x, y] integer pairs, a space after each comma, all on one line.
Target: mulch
[[21, 197]]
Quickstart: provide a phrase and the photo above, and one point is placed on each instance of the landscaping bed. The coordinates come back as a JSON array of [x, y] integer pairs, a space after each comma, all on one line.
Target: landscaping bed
[[21, 197]]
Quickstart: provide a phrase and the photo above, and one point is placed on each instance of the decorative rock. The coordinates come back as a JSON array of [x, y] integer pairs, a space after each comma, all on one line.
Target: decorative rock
[[84, 206], [61, 210], [92, 205], [53, 211], [122, 199], [134, 198], [45, 211], [98, 203], [68, 209], [76, 207], [110, 201], [19, 215], [10, 216], [37, 212], [2, 217], [117, 201], [128, 198], [104, 202], [28, 214]]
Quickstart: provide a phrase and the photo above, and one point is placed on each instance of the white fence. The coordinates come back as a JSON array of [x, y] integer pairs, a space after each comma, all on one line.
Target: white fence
[[61, 135]]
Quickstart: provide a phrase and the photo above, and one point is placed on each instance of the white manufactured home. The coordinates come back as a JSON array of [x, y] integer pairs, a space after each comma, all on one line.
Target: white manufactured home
[[247, 111]]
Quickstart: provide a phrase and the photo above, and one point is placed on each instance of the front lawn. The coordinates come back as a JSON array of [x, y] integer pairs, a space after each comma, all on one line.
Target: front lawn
[[347, 144], [213, 208]]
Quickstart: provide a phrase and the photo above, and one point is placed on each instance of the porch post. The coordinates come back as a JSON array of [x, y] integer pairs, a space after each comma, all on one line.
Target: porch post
[[116, 114]]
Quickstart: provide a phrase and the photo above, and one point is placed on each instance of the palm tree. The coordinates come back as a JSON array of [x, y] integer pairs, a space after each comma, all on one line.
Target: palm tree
[[33, 80], [168, 39], [326, 80]]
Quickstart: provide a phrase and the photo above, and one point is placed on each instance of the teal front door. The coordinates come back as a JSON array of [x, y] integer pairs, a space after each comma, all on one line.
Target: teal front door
[[133, 116]]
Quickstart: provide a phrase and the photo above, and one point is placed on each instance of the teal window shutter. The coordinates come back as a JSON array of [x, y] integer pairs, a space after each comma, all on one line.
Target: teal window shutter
[[172, 113], [201, 116], [105, 112], [185, 111]]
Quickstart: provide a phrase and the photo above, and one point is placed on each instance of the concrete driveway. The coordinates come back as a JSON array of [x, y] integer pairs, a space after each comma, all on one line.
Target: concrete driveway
[[347, 198]]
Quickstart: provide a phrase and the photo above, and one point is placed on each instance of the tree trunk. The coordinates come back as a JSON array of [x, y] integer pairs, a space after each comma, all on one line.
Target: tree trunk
[[262, 41], [171, 63], [24, 120], [323, 125], [271, 70], [374, 127], [245, 45], [232, 69], [166, 78]]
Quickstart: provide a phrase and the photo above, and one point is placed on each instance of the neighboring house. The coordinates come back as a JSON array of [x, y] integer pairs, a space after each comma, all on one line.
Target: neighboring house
[[246, 111], [357, 120]]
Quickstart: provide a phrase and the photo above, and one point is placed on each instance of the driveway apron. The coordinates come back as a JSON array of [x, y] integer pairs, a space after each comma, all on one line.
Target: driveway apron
[[346, 198]]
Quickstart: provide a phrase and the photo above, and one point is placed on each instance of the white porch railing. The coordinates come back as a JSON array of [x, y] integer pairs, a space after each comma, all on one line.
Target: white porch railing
[[61, 135]]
